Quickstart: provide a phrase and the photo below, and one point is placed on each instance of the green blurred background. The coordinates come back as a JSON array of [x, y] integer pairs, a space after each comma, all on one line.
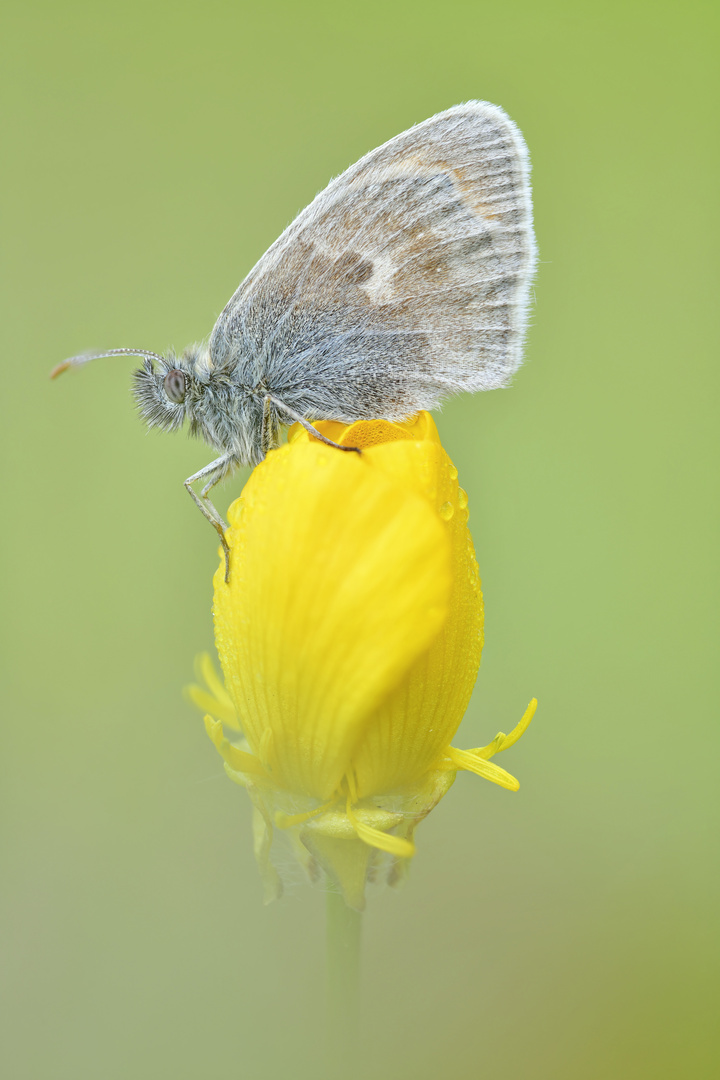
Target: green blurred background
[[152, 152]]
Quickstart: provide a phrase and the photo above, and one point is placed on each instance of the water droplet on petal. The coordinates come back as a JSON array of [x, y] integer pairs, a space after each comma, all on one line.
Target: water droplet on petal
[[453, 473], [462, 498], [446, 511]]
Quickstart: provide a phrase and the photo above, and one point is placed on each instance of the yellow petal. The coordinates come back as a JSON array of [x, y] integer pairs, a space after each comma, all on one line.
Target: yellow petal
[[366, 433], [414, 723], [340, 579]]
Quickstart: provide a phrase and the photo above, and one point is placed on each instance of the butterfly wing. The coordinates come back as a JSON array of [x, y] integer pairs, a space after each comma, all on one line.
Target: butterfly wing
[[405, 280]]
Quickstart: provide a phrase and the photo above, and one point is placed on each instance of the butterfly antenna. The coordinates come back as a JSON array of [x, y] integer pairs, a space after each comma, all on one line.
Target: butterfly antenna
[[85, 358]]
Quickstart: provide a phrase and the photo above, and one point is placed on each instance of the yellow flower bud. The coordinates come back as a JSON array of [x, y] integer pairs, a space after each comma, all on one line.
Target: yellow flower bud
[[349, 635]]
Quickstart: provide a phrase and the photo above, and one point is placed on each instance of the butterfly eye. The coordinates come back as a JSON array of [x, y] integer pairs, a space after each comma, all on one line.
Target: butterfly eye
[[174, 384]]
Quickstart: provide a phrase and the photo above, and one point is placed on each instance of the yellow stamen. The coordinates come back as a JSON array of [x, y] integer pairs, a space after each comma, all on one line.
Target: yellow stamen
[[521, 727], [239, 760], [465, 759], [503, 741], [286, 821], [213, 697], [207, 670], [394, 845]]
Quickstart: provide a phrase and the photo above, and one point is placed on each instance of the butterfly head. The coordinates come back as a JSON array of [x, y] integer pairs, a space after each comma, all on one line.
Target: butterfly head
[[172, 389], [167, 389]]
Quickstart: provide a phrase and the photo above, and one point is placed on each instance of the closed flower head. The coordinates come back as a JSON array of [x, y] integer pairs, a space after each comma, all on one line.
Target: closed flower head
[[349, 635]]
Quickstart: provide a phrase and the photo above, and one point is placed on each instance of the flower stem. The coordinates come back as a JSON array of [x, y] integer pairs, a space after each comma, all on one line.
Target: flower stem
[[343, 975]]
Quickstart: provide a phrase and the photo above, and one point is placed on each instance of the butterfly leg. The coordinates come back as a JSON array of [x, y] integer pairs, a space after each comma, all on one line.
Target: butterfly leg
[[212, 473], [308, 426], [266, 431]]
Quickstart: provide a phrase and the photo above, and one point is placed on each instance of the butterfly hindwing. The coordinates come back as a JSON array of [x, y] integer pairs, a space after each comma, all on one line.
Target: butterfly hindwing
[[405, 280]]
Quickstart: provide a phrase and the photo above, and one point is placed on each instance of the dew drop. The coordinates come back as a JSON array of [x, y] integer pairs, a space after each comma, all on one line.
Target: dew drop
[[446, 511], [462, 498], [453, 473]]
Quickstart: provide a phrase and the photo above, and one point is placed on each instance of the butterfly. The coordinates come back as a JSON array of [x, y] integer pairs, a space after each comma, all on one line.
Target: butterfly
[[405, 281]]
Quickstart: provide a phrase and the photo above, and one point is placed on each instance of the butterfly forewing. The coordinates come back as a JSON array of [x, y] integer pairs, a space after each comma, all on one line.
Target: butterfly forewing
[[405, 280]]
